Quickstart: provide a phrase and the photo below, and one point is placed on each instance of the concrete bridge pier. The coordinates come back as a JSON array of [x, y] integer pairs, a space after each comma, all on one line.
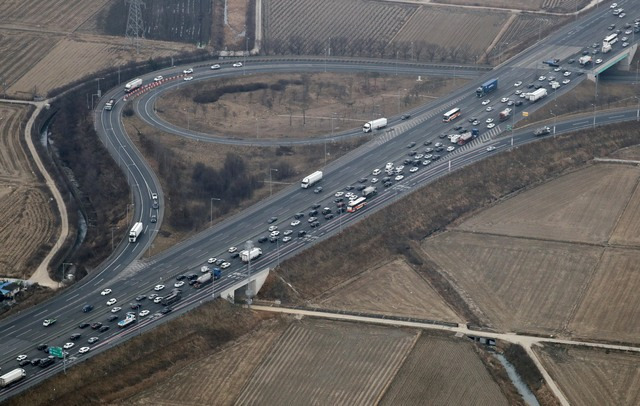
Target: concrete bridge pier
[[254, 285], [625, 64]]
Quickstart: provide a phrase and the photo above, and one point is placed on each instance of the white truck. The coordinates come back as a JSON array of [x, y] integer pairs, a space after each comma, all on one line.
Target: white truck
[[585, 60], [454, 138], [135, 232], [374, 125], [537, 95], [133, 85], [11, 377], [247, 255], [109, 105], [311, 179], [369, 191], [606, 47], [127, 321]]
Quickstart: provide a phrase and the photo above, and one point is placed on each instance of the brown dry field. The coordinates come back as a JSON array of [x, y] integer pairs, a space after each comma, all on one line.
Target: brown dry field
[[631, 153], [515, 284], [528, 5], [27, 220], [49, 15], [324, 362], [236, 21], [346, 95], [443, 371], [225, 372], [582, 206], [627, 230], [593, 376], [393, 288]]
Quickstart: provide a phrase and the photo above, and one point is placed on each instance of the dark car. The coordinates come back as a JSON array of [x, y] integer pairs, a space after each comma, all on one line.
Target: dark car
[[416, 162], [75, 336], [387, 184], [349, 188], [153, 218], [302, 233], [571, 61], [427, 143], [340, 204], [42, 347], [530, 86], [362, 180], [439, 149], [315, 224], [519, 103], [462, 130], [192, 276], [313, 212], [273, 239], [166, 310], [87, 308], [405, 116], [435, 157], [442, 136], [181, 277], [83, 325], [412, 153], [360, 188], [326, 210], [104, 328], [193, 282], [35, 362], [338, 199], [456, 128], [328, 216], [407, 161], [235, 255], [263, 239], [585, 52], [96, 325], [411, 144], [341, 209], [45, 362], [135, 306], [315, 206], [272, 220], [113, 317], [24, 362], [538, 86], [298, 216], [219, 261]]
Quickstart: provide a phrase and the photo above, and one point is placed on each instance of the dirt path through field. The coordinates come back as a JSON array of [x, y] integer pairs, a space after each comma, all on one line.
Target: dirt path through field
[[41, 276]]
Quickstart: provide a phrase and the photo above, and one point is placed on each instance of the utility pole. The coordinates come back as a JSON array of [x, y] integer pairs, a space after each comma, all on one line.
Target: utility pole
[[211, 201], [270, 181], [135, 24]]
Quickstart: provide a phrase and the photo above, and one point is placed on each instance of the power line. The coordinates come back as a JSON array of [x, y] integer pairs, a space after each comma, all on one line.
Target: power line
[[135, 24]]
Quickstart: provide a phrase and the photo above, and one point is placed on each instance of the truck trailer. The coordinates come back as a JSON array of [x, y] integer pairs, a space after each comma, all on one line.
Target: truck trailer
[[173, 297], [252, 254], [542, 131], [12, 376], [487, 87], [133, 85], [374, 125], [537, 95], [207, 277], [606, 47], [369, 191], [505, 114], [465, 137], [585, 60], [135, 232], [311, 179]]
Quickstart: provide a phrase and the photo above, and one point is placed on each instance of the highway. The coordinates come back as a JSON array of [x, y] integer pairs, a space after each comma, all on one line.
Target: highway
[[129, 275]]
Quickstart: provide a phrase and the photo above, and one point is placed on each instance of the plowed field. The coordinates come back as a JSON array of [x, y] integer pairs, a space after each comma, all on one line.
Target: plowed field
[[443, 371], [320, 362], [27, 222], [593, 377], [60, 15]]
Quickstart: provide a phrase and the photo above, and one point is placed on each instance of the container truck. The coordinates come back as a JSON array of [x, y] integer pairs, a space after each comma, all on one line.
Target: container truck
[[12, 376], [109, 105], [252, 254], [505, 114], [464, 138], [208, 277], [585, 60], [542, 131], [311, 179], [374, 125], [537, 95], [133, 85], [135, 232], [173, 297], [369, 191], [487, 87]]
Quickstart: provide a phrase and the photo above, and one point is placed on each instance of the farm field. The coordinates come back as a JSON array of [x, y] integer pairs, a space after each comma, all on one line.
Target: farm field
[[49, 15], [529, 5], [321, 362], [441, 28], [582, 206], [627, 230], [27, 219], [225, 372], [526, 27], [422, 377], [517, 284], [593, 376], [393, 288]]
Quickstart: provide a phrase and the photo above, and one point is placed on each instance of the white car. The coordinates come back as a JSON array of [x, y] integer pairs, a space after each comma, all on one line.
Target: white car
[[111, 301], [522, 95], [374, 180], [614, 5], [376, 172], [84, 350], [188, 78], [216, 66], [489, 108], [491, 148], [157, 78], [105, 292], [426, 162], [557, 69], [451, 148], [21, 357], [212, 260], [68, 345], [225, 265], [237, 65], [489, 120], [286, 239], [349, 195], [287, 232], [566, 81], [566, 74], [490, 125], [389, 165], [158, 299], [399, 168], [272, 228], [504, 100], [178, 284], [627, 32], [518, 92], [232, 250], [154, 196], [158, 288], [625, 44], [275, 233], [485, 102], [144, 313], [541, 78], [399, 178], [413, 169], [295, 223], [188, 71], [598, 61], [624, 39], [339, 194], [518, 83], [116, 309]]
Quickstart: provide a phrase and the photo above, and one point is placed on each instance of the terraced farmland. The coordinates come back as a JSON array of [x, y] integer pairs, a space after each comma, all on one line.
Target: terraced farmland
[[347, 27], [321, 362], [422, 379], [57, 15]]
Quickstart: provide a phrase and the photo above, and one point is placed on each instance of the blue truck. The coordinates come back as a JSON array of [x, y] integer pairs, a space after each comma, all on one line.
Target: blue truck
[[487, 87], [553, 62]]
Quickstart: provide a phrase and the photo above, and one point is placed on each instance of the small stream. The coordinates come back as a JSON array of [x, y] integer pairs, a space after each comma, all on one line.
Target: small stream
[[523, 389]]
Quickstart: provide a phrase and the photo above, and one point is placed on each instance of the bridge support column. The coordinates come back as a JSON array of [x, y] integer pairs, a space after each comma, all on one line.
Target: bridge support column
[[254, 285], [625, 64]]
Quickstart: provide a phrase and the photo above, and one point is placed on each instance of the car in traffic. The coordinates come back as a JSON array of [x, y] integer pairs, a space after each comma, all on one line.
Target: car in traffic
[[405, 116], [225, 265], [451, 148], [399, 178], [295, 223], [518, 83], [566, 81], [212, 260], [237, 65], [96, 325], [157, 299], [215, 67], [489, 108], [178, 284], [491, 148], [140, 298], [144, 313], [116, 309], [286, 239], [504, 100], [188, 78], [83, 350], [317, 190], [153, 218], [105, 292], [598, 61], [541, 78], [489, 120], [103, 329], [112, 317], [68, 346], [490, 125], [21, 357], [83, 325], [93, 340], [158, 288], [485, 102], [158, 78], [87, 308], [112, 301], [188, 71]]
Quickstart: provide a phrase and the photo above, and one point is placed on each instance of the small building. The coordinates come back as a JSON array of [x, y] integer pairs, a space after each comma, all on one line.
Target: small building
[[8, 290]]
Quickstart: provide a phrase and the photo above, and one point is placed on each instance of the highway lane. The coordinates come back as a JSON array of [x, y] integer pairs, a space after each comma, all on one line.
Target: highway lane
[[24, 331]]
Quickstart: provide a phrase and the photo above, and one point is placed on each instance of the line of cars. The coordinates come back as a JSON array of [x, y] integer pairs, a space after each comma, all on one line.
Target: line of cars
[[189, 72]]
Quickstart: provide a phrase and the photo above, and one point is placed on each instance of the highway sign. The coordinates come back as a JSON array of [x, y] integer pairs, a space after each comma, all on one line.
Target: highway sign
[[508, 127], [55, 351], [525, 114]]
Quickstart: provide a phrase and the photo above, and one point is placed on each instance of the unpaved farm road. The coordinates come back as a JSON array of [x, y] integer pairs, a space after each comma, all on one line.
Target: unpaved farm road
[[525, 341]]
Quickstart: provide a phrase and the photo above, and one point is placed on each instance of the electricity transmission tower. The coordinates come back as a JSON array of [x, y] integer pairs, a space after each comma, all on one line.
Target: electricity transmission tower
[[135, 25]]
